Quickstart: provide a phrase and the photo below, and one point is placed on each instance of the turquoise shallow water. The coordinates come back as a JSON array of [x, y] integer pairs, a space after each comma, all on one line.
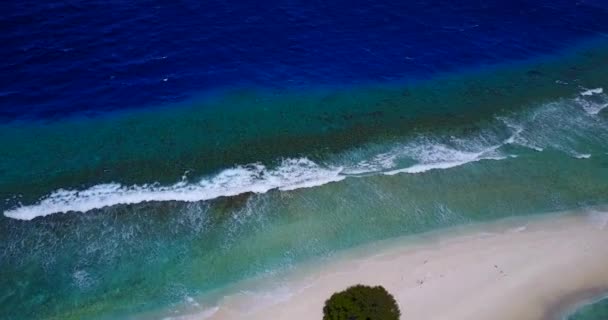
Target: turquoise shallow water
[[594, 311], [139, 211]]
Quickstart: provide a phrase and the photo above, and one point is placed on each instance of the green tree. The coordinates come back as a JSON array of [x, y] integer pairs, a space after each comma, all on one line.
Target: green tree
[[361, 303]]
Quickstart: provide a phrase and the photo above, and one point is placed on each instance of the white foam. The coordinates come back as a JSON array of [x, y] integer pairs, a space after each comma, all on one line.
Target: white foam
[[208, 313], [519, 229], [377, 163], [591, 92], [582, 156], [205, 314], [516, 137], [592, 107], [419, 168], [192, 302], [599, 218], [431, 156], [564, 125], [593, 101], [595, 109], [437, 157], [289, 175]]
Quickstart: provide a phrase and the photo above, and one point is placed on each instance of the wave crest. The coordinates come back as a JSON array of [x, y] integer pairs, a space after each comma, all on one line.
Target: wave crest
[[289, 175], [566, 126]]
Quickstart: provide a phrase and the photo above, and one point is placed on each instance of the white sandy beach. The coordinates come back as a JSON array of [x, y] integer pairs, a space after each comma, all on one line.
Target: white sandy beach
[[514, 269]]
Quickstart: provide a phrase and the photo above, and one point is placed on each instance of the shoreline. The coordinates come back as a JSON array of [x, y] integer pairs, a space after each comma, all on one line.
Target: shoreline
[[569, 304], [536, 267]]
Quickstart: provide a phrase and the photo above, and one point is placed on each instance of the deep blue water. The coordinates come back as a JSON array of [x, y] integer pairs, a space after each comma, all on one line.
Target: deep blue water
[[86, 57]]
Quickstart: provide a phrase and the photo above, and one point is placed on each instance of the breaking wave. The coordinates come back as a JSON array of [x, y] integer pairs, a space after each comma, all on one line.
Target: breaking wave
[[560, 126]]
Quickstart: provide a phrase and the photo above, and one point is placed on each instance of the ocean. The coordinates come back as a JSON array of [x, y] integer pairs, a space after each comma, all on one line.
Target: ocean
[[152, 153]]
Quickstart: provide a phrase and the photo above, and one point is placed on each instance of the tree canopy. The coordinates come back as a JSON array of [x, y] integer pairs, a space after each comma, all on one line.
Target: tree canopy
[[361, 302]]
